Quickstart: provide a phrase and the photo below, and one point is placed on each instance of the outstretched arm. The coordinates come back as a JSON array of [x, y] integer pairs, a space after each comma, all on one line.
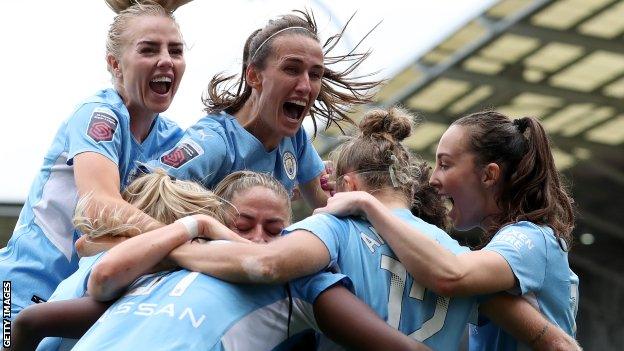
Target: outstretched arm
[[430, 263], [526, 324], [292, 256], [140, 254], [350, 322], [67, 319]]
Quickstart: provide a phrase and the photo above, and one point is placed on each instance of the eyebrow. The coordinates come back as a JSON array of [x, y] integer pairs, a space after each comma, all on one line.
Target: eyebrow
[[298, 60], [156, 43], [441, 154], [270, 220]]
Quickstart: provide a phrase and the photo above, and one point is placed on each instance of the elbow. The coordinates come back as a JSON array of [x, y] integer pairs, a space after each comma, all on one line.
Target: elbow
[[100, 284], [27, 323], [449, 284]]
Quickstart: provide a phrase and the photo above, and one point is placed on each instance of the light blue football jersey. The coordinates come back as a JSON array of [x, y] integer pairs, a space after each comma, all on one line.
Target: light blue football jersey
[[218, 145], [41, 253], [183, 310], [75, 286], [382, 282], [540, 264]]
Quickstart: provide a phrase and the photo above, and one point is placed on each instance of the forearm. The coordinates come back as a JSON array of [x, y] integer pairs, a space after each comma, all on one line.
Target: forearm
[[68, 319], [313, 194], [233, 262], [293, 256], [427, 261], [133, 258], [86, 246], [348, 321], [521, 320], [104, 214]]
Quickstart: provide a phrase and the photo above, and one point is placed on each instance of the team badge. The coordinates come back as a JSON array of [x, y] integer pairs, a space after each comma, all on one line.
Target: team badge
[[102, 126], [290, 165], [181, 154]]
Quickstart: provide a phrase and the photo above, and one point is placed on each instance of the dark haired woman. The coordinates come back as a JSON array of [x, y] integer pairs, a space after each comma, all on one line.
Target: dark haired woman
[[500, 177], [257, 125]]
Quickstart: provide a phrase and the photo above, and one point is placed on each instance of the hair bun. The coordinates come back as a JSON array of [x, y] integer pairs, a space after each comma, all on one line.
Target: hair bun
[[169, 5], [394, 121]]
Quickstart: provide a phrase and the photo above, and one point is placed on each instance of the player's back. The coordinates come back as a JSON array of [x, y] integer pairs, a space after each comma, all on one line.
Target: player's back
[[183, 310], [381, 281]]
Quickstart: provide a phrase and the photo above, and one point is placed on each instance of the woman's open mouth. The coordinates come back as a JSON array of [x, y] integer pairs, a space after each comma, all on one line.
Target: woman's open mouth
[[294, 109], [160, 85]]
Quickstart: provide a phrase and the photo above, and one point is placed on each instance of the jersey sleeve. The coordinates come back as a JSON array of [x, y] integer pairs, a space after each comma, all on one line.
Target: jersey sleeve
[[523, 246], [309, 162], [310, 287], [94, 128], [327, 228], [198, 156]]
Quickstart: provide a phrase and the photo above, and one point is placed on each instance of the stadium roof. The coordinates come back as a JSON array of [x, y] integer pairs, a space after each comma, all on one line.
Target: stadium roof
[[560, 61]]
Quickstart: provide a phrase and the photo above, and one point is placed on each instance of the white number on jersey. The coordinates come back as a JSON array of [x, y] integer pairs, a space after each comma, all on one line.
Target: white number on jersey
[[395, 300]]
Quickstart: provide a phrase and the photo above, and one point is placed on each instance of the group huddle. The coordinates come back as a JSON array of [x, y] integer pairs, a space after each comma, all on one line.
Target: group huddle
[[138, 235]]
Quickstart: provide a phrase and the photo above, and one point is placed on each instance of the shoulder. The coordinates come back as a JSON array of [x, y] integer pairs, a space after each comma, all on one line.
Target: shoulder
[[317, 222], [104, 102], [522, 235]]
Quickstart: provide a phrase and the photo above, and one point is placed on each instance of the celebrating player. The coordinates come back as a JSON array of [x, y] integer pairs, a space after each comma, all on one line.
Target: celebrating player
[[96, 149], [500, 177], [256, 125]]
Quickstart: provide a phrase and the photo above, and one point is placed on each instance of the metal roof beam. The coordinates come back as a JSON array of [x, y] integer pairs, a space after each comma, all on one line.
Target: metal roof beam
[[501, 82], [567, 37], [495, 29]]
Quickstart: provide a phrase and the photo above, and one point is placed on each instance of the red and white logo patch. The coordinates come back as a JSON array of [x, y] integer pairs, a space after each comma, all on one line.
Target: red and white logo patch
[[102, 126], [181, 154]]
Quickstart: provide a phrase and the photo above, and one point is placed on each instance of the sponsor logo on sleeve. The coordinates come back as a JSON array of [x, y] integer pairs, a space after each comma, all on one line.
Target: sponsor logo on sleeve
[[290, 165], [181, 154], [102, 126]]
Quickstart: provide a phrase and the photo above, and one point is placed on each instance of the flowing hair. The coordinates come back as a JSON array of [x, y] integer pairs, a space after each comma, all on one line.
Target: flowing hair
[[339, 90]]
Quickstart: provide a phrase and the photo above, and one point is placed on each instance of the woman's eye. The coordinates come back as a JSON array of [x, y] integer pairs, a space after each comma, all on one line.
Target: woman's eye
[[291, 70], [147, 50], [315, 76]]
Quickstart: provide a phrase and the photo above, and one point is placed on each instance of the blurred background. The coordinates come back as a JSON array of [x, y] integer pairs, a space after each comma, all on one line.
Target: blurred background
[[560, 61]]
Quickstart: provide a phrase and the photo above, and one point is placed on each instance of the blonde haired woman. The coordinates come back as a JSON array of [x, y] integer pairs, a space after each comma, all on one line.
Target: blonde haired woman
[[96, 149]]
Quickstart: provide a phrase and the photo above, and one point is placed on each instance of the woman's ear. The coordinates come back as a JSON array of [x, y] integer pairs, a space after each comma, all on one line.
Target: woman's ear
[[253, 77], [491, 175], [113, 63], [351, 183]]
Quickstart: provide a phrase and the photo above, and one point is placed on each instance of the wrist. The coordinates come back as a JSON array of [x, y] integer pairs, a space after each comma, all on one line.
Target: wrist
[[191, 225], [366, 204]]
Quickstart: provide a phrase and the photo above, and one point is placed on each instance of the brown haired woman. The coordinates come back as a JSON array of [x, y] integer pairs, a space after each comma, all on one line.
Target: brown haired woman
[[500, 177], [256, 123]]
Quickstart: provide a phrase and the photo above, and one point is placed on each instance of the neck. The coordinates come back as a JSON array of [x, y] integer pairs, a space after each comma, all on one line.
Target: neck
[[390, 198], [492, 210], [140, 119], [140, 126], [249, 118]]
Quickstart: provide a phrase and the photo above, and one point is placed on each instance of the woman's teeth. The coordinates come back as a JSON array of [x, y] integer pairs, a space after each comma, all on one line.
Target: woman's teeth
[[160, 85]]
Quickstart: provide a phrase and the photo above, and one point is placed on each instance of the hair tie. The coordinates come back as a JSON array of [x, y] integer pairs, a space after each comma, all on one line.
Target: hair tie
[[521, 124], [272, 36]]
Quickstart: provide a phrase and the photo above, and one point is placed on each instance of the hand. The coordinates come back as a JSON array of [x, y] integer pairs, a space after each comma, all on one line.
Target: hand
[[350, 203], [329, 187], [211, 228]]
